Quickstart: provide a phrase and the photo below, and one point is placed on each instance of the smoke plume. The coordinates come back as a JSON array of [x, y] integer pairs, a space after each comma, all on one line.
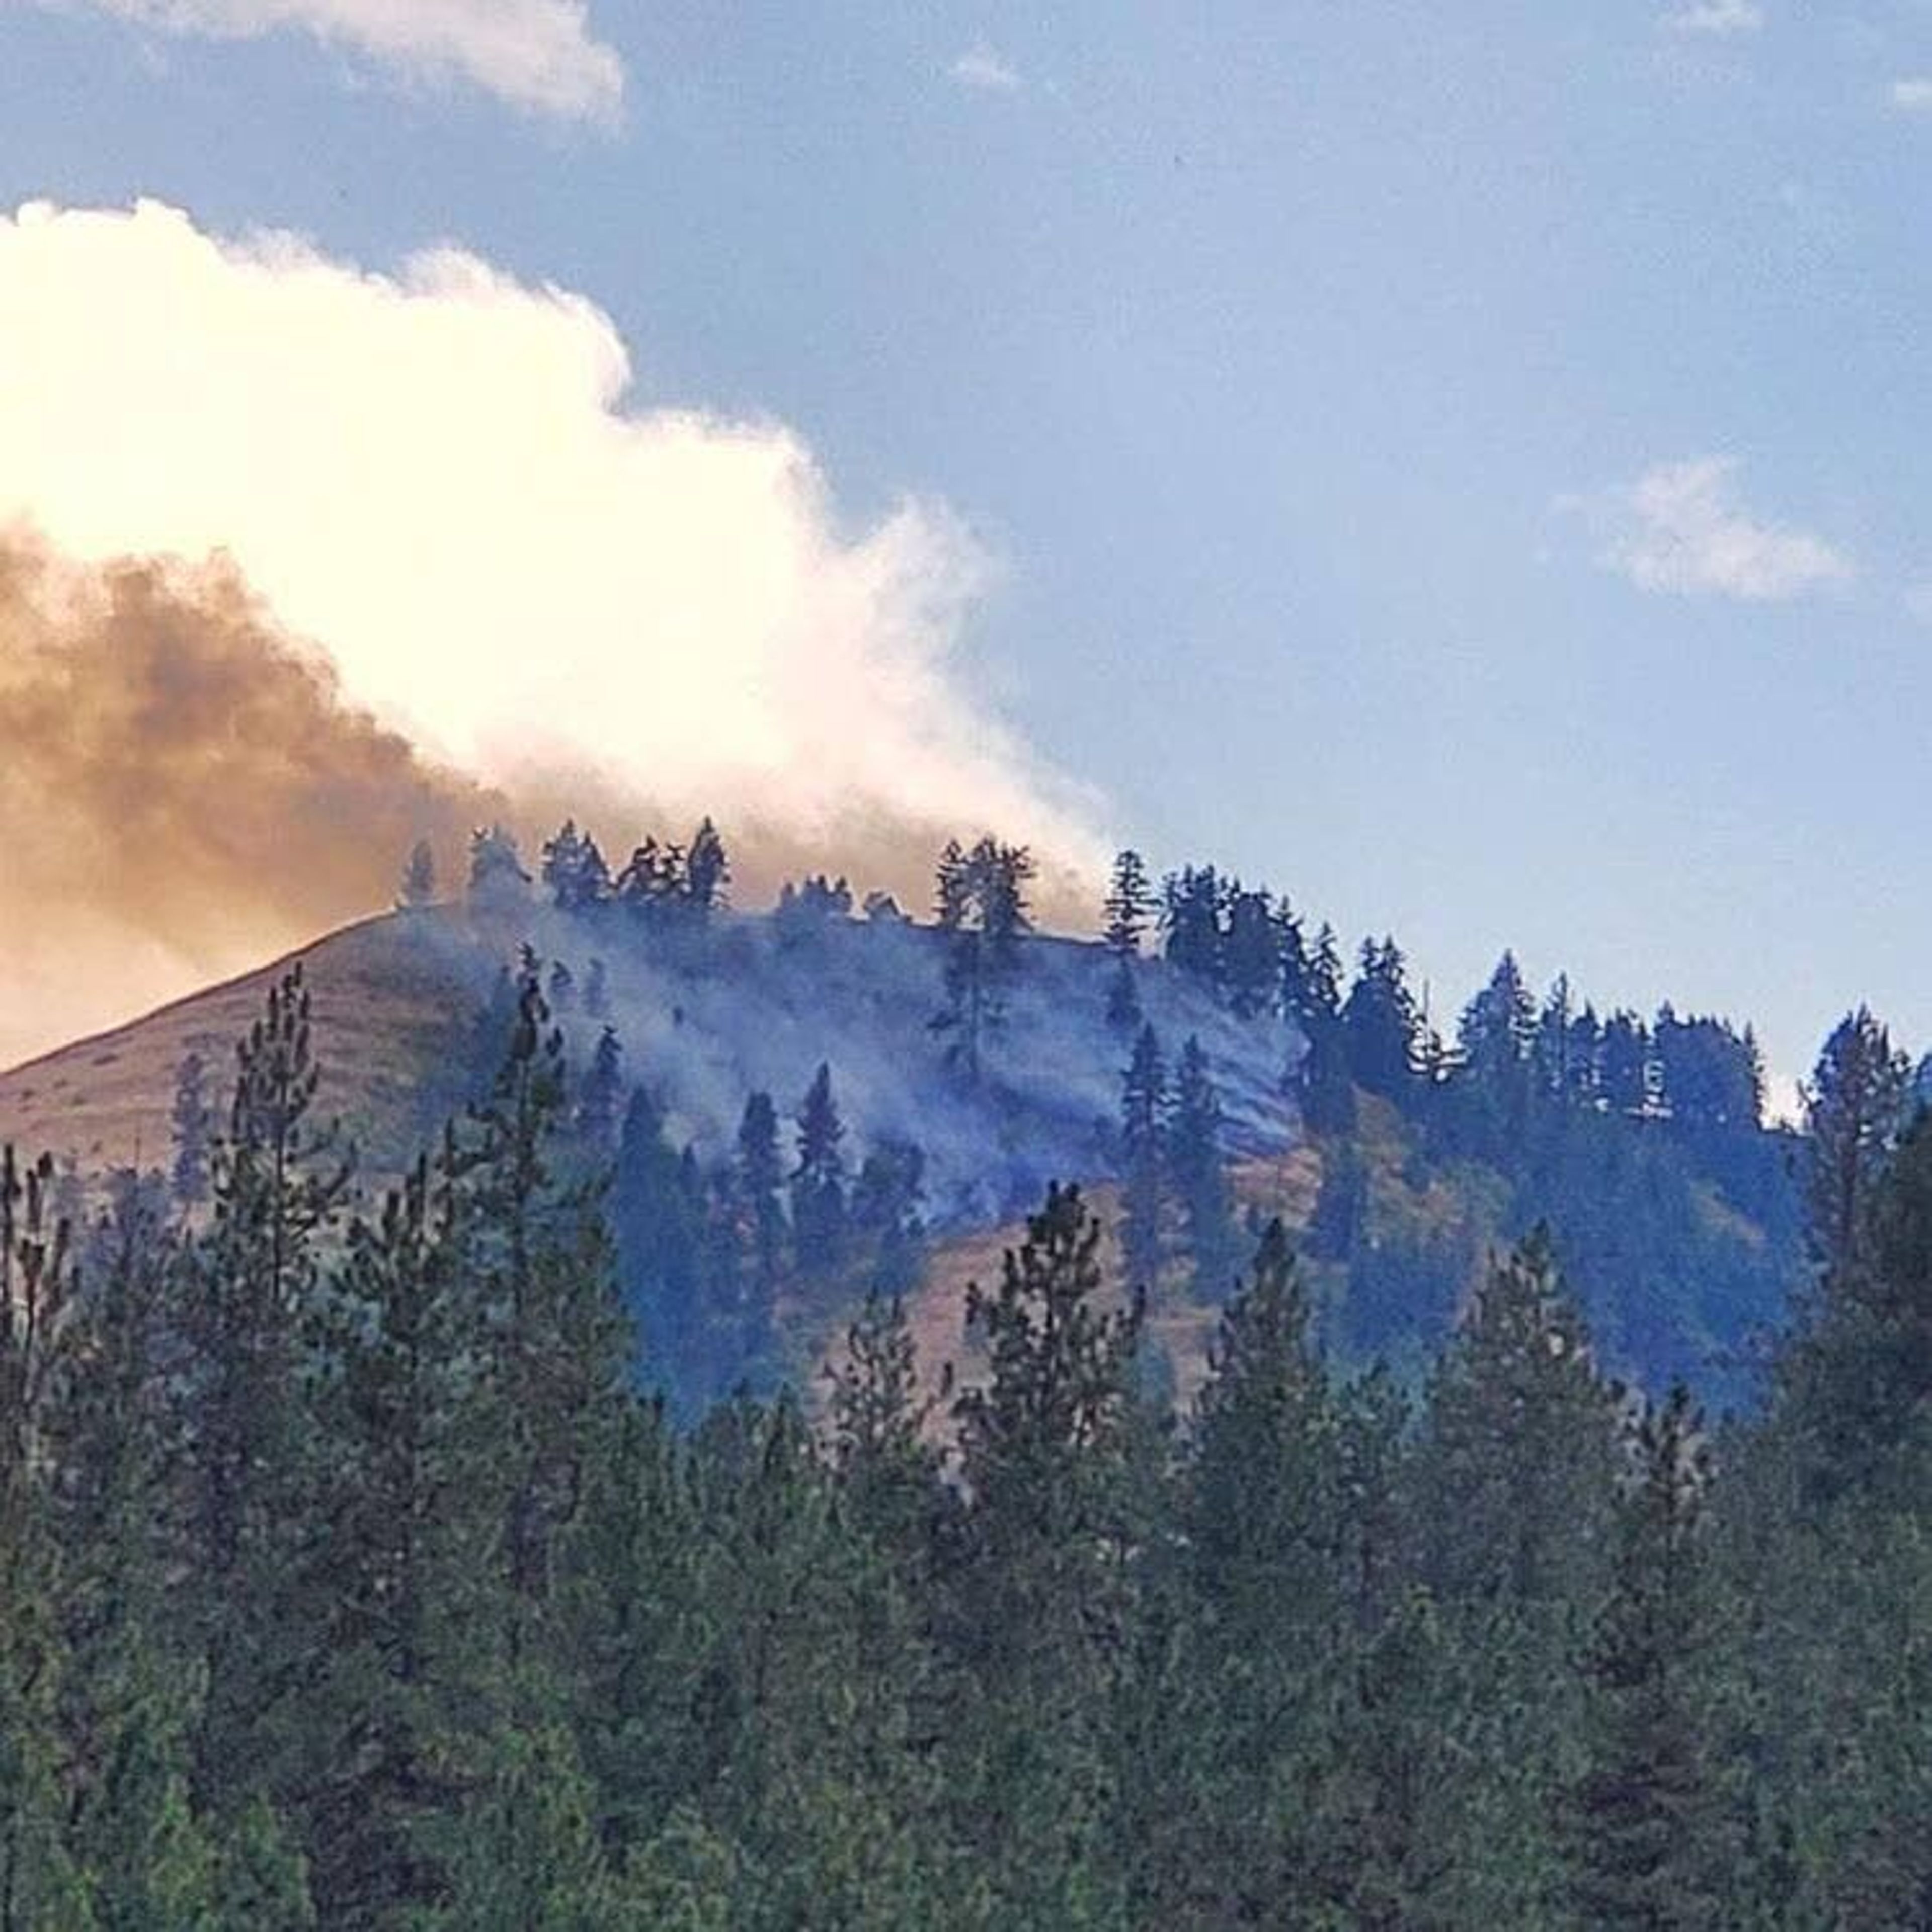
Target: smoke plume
[[519, 590], [182, 789]]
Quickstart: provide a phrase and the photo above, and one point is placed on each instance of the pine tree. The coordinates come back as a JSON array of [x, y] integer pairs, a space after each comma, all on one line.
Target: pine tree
[[1251, 954], [411, 1512], [1854, 1108], [1626, 1073], [1143, 1109], [249, 1301], [39, 1885], [124, 1708], [659, 1231], [602, 1098], [982, 915], [527, 1858], [1263, 1520], [760, 1181], [1191, 921], [1555, 1043], [559, 1341], [1294, 993], [1130, 910], [596, 991], [887, 1465], [1858, 1375], [1197, 1163], [886, 1198], [1266, 1512], [191, 1121], [652, 880], [1651, 1845], [818, 1185], [707, 870], [562, 855], [575, 872], [1520, 1432], [497, 880], [417, 890], [1129, 907], [1380, 1023], [261, 1880], [1043, 1613]]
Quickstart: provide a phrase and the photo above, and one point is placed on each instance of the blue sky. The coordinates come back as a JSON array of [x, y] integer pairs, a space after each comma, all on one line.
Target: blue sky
[[1301, 369]]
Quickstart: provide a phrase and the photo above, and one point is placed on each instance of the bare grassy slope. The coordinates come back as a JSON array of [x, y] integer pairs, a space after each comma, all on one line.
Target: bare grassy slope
[[383, 1002], [705, 1016]]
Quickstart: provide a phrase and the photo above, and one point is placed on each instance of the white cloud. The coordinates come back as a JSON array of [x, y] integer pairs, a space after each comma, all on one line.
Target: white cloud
[[1716, 17], [981, 66], [539, 54], [436, 476], [1913, 96], [1680, 528]]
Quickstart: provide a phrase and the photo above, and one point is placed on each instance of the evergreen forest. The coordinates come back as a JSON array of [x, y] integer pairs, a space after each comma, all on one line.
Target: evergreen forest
[[462, 1554]]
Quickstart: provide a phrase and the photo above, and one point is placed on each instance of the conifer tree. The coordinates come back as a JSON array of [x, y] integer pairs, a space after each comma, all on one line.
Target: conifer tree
[[653, 883], [1144, 1112], [886, 1198], [1251, 954], [1555, 1043], [526, 1858], [1626, 1074], [1650, 1844], [887, 1466], [1129, 907], [1294, 993], [1854, 1108], [561, 857], [1191, 921], [497, 880], [1379, 1021], [1264, 1507], [1520, 1432], [596, 991], [411, 1512], [818, 1182], [602, 1099], [982, 915], [707, 870], [1129, 910], [1856, 1379], [416, 892], [760, 1181], [575, 871], [559, 1343], [125, 1708], [249, 1300], [40, 1886], [1266, 1512], [659, 1231], [191, 1122], [1043, 1455], [1197, 1162], [1496, 1040]]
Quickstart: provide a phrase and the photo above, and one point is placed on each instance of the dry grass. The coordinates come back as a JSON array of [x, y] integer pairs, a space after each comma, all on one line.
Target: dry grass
[[381, 1004]]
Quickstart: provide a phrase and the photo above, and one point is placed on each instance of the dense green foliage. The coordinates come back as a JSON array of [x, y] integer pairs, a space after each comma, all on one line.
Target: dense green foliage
[[348, 1580]]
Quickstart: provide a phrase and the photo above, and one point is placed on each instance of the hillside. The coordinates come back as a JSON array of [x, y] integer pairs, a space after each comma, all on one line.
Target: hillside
[[1683, 1251]]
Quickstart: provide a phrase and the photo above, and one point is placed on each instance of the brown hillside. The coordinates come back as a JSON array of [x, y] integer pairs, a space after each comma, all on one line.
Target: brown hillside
[[382, 1005]]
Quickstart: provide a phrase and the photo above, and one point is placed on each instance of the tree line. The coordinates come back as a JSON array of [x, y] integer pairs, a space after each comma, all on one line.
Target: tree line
[[350, 1577]]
